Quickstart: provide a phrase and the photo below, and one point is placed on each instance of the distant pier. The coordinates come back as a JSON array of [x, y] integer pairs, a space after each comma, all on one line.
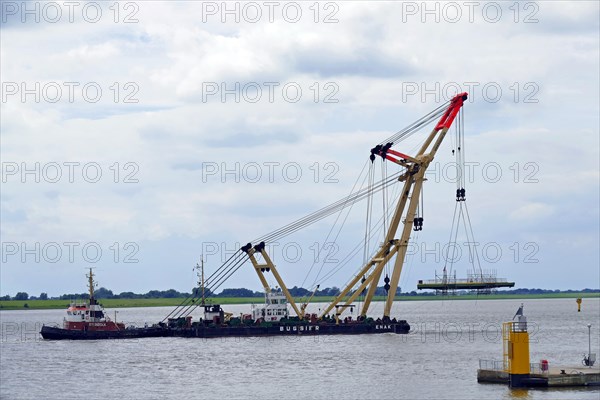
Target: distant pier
[[482, 282]]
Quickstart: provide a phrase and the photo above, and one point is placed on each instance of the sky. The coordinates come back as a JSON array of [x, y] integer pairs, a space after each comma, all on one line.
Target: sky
[[137, 136]]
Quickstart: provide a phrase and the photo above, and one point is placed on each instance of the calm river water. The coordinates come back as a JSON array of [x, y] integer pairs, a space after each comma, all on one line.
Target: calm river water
[[437, 360]]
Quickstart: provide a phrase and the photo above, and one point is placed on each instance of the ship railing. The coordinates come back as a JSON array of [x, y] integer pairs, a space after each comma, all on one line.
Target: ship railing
[[492, 365]]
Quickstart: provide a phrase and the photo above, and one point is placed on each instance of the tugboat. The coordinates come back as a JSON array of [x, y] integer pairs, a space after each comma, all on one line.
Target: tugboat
[[88, 320]]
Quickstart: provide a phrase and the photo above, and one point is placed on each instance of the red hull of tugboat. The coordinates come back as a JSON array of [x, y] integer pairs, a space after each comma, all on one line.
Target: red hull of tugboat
[[93, 326]]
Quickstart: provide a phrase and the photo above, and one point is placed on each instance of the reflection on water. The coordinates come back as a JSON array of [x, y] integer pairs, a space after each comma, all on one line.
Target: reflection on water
[[519, 394], [438, 359]]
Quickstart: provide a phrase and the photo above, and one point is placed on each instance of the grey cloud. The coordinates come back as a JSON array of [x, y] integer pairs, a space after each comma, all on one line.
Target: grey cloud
[[252, 140], [14, 216], [364, 62]]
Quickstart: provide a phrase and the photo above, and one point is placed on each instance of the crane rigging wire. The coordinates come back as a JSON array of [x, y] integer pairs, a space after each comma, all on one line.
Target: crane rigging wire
[[230, 260], [326, 211], [417, 125], [354, 252], [233, 263], [189, 303], [326, 241], [461, 211], [212, 290], [335, 222], [370, 232], [346, 203], [369, 214]]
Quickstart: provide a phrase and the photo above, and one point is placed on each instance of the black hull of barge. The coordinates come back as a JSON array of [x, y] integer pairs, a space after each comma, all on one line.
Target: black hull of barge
[[52, 333], [294, 330]]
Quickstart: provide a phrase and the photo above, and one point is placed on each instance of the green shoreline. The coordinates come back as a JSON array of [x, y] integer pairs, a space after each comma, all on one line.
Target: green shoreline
[[164, 302]]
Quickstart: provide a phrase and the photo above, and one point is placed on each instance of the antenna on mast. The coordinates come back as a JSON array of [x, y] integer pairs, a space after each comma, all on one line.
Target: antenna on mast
[[201, 277], [202, 270], [91, 284]]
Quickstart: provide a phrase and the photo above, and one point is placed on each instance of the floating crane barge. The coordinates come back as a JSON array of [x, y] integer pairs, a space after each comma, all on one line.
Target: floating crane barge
[[272, 317], [88, 321]]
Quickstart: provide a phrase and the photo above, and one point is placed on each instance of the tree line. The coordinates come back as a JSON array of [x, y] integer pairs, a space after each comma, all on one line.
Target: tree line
[[103, 293]]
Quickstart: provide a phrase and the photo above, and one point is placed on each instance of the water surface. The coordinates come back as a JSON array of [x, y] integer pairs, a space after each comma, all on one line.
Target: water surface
[[437, 360]]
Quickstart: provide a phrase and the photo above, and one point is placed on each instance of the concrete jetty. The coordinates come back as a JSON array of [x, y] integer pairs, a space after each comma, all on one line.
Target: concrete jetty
[[554, 377], [516, 370]]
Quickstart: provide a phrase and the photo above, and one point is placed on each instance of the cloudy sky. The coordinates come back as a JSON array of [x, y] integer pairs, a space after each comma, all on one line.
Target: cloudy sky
[[136, 136]]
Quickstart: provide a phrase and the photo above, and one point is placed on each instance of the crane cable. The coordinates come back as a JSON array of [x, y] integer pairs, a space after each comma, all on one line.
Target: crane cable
[[354, 252], [188, 303], [369, 215], [328, 210], [417, 125], [333, 226], [225, 273], [236, 260], [461, 210]]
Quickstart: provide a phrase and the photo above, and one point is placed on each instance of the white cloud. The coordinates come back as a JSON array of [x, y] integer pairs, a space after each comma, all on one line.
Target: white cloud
[[532, 212], [370, 55], [93, 53]]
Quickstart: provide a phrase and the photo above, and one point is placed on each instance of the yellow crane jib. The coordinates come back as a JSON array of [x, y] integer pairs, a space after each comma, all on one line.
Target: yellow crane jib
[[405, 212], [268, 266]]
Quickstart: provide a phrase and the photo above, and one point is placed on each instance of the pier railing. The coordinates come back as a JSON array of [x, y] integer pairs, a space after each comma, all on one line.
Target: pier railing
[[536, 368], [499, 365], [477, 279], [492, 365]]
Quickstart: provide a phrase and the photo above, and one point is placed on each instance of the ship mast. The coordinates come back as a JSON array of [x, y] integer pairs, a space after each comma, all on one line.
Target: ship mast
[[202, 272], [91, 285], [90, 277], [201, 279]]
